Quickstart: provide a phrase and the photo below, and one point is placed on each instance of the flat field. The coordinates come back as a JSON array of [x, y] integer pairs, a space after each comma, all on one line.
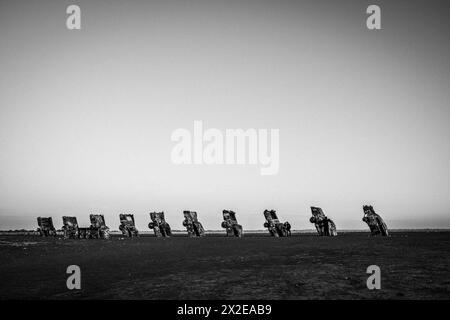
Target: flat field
[[414, 265]]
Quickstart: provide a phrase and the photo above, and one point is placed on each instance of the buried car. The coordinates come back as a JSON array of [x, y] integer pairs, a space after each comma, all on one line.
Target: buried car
[[324, 225], [375, 222], [46, 227], [275, 227], [72, 230], [98, 227], [193, 226], [70, 227], [231, 225], [159, 224], [127, 225]]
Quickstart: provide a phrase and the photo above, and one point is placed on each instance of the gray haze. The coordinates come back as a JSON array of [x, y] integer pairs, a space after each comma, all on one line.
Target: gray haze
[[86, 116]]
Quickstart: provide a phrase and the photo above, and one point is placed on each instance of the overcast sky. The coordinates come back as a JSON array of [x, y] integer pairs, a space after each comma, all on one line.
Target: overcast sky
[[86, 115]]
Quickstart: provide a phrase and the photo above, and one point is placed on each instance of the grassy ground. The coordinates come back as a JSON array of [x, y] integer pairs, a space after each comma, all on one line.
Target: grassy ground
[[414, 265]]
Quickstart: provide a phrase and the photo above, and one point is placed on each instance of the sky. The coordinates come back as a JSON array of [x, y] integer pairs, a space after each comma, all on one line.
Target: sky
[[86, 116]]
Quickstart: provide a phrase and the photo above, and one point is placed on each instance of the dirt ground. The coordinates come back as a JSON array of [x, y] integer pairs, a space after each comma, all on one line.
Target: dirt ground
[[414, 265]]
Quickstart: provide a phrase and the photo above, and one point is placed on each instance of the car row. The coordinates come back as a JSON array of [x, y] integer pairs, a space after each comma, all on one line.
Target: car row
[[98, 229]]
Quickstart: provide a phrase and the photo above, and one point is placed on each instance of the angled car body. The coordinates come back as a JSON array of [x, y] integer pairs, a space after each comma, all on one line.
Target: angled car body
[[193, 226], [46, 228], [127, 225], [98, 227], [275, 227], [375, 222], [70, 227], [230, 224], [324, 226], [159, 225]]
